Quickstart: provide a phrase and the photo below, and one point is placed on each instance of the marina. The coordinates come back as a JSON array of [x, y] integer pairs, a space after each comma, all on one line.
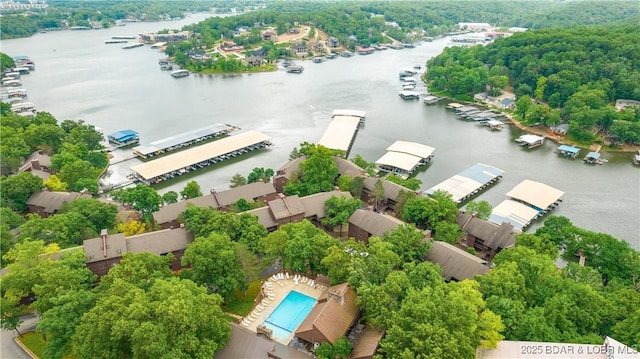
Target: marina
[[182, 140], [341, 131], [530, 141], [469, 182], [567, 151], [403, 158], [192, 159], [526, 202]]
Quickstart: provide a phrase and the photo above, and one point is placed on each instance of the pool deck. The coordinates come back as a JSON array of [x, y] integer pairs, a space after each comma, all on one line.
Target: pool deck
[[275, 290]]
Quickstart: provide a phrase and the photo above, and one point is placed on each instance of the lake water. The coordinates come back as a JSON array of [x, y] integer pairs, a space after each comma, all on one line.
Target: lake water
[[79, 77]]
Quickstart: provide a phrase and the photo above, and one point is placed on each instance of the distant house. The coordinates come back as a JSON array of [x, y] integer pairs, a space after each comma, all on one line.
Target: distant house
[[107, 250], [293, 31], [507, 104], [269, 35], [167, 216], [333, 42], [46, 203], [38, 164], [364, 224], [622, 104], [456, 263], [246, 344], [331, 318], [300, 49], [487, 238], [254, 60], [317, 46], [475, 26]]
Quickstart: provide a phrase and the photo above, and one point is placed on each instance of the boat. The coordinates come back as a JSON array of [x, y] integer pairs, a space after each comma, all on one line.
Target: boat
[[166, 67], [179, 73], [409, 95], [295, 69], [331, 55], [319, 59], [567, 151], [594, 158]]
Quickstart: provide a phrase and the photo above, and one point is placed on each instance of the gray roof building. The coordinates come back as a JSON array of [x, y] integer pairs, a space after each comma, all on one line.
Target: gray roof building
[[456, 264]]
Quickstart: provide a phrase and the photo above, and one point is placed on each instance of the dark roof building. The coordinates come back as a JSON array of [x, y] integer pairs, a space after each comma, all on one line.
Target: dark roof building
[[367, 343], [333, 315], [456, 264], [391, 192], [246, 344], [167, 216], [364, 224], [487, 238], [107, 250], [46, 203], [38, 164]]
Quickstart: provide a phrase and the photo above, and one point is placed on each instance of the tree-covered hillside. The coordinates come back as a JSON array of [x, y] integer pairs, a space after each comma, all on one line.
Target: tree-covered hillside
[[573, 74]]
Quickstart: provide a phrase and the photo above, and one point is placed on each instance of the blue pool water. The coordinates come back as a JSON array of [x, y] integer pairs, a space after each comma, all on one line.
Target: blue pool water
[[289, 314]]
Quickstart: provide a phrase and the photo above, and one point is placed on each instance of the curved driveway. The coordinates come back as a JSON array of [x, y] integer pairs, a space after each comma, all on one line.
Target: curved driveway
[[8, 348]]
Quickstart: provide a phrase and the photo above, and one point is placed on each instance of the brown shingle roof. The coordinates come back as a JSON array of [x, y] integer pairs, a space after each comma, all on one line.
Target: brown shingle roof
[[346, 167], [264, 216], [42, 158], [375, 223], [292, 166], [367, 343], [157, 242], [391, 190], [494, 236], [52, 201], [171, 211], [455, 263], [331, 319], [314, 204], [286, 206], [244, 344]]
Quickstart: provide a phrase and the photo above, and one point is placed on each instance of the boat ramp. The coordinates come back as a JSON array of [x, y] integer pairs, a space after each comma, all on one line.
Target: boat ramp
[[567, 151], [526, 202], [342, 130], [469, 182], [192, 159], [403, 158], [182, 140], [530, 141]]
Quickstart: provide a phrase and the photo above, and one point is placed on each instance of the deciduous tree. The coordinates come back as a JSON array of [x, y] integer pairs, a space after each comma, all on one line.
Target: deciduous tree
[[191, 190]]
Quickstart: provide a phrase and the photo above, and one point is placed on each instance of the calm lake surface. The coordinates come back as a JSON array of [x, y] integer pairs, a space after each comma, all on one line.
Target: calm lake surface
[[79, 77]]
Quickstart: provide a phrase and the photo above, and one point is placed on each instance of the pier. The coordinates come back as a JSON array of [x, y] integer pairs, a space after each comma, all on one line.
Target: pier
[[403, 158], [530, 141], [341, 132], [469, 182], [181, 140], [567, 151], [192, 159], [123, 138], [526, 202]]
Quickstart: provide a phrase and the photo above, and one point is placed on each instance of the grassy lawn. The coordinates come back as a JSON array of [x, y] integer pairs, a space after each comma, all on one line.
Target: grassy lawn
[[241, 305], [33, 341]]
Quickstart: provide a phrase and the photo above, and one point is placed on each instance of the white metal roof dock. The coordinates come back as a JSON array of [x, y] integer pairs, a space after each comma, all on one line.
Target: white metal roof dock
[[402, 158], [468, 182], [181, 140], [340, 133], [526, 202], [345, 112], [191, 159]]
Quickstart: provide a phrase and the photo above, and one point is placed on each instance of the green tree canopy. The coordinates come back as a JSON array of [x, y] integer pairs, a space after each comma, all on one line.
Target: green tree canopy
[[191, 190], [141, 198]]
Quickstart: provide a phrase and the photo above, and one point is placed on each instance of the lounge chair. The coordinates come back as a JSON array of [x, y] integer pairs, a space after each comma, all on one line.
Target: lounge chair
[[260, 307], [295, 281], [295, 277], [245, 324], [287, 275]]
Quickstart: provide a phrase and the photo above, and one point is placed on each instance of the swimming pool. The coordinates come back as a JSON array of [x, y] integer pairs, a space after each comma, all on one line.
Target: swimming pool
[[289, 314]]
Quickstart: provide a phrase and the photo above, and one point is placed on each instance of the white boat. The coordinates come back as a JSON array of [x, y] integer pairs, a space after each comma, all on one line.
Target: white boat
[[180, 73]]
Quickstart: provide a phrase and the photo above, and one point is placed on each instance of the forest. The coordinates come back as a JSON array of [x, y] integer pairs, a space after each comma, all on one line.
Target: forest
[[571, 75]]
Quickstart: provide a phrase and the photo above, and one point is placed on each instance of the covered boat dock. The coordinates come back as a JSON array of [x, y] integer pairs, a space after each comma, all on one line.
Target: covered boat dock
[[177, 164], [469, 182], [353, 113], [568, 151], [185, 139], [124, 138], [403, 158], [340, 133], [530, 141], [526, 202]]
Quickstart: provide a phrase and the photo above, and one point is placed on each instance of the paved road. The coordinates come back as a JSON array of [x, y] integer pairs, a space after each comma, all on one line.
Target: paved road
[[8, 348]]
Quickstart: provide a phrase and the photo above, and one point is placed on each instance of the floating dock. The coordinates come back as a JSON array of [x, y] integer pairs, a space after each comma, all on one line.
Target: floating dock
[[409, 95], [567, 151], [403, 158], [182, 140], [177, 164], [340, 133], [469, 182], [431, 100], [494, 125], [526, 202]]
